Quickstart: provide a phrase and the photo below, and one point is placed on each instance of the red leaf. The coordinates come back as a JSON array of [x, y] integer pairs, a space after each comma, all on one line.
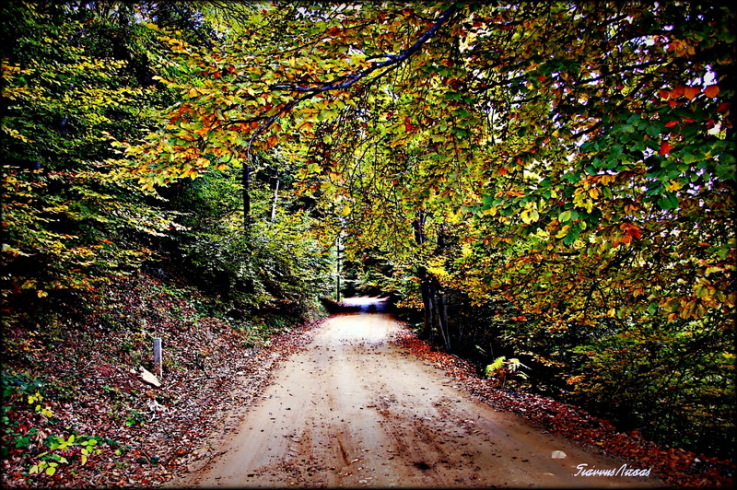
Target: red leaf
[[665, 148]]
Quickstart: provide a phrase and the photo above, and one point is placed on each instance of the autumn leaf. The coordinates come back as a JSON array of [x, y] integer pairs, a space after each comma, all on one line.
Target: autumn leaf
[[676, 92], [691, 92], [631, 229], [711, 91]]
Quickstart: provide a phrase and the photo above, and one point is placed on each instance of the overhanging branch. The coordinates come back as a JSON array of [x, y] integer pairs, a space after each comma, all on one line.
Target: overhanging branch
[[346, 81]]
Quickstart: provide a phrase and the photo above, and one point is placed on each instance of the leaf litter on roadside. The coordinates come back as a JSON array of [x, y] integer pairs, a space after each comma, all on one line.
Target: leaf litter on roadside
[[675, 466], [143, 435]]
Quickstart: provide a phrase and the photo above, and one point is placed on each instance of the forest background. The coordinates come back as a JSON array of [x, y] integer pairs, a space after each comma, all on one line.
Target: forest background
[[544, 188]]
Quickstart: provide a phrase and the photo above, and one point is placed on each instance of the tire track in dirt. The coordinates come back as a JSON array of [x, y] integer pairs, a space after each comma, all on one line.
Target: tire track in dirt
[[353, 410]]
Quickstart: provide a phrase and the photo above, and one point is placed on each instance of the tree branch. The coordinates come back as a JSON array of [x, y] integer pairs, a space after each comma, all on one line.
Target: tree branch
[[346, 81]]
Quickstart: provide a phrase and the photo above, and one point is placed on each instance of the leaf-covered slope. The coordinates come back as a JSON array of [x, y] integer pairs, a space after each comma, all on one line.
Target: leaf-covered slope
[[78, 383]]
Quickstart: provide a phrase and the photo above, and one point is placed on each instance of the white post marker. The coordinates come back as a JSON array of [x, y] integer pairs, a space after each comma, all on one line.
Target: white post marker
[[157, 356]]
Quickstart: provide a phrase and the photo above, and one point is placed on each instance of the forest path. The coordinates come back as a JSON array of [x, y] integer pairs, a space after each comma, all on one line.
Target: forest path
[[353, 409]]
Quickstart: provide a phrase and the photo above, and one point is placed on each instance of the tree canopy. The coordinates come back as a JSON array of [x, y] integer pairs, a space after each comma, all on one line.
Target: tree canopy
[[569, 166]]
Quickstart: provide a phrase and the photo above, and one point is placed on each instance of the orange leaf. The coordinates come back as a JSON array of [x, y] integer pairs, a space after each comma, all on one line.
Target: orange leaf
[[711, 91], [676, 92], [665, 148], [691, 92], [631, 229], [671, 124]]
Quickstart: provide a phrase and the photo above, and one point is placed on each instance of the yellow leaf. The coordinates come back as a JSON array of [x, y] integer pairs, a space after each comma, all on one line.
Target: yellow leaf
[[607, 179], [529, 215]]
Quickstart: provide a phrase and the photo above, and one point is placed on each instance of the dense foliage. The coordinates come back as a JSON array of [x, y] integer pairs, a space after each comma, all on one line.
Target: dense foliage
[[76, 80], [554, 179], [69, 220]]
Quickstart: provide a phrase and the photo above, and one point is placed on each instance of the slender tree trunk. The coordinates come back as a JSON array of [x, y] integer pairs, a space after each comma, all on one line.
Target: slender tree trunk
[[246, 180], [443, 319], [276, 199], [337, 268], [429, 303], [442, 302], [426, 283]]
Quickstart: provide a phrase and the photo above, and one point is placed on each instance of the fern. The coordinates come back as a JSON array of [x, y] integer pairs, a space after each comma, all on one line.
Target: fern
[[502, 368]]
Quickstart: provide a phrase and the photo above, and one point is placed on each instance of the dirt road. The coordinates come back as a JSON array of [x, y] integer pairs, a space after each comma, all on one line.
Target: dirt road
[[353, 410]]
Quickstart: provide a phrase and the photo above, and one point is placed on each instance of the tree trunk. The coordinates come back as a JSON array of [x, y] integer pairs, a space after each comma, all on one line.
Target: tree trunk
[[276, 198], [337, 268], [246, 180], [426, 282], [429, 303], [443, 319]]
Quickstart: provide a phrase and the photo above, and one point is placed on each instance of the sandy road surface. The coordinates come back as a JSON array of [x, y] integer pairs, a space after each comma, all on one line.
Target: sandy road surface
[[353, 410]]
